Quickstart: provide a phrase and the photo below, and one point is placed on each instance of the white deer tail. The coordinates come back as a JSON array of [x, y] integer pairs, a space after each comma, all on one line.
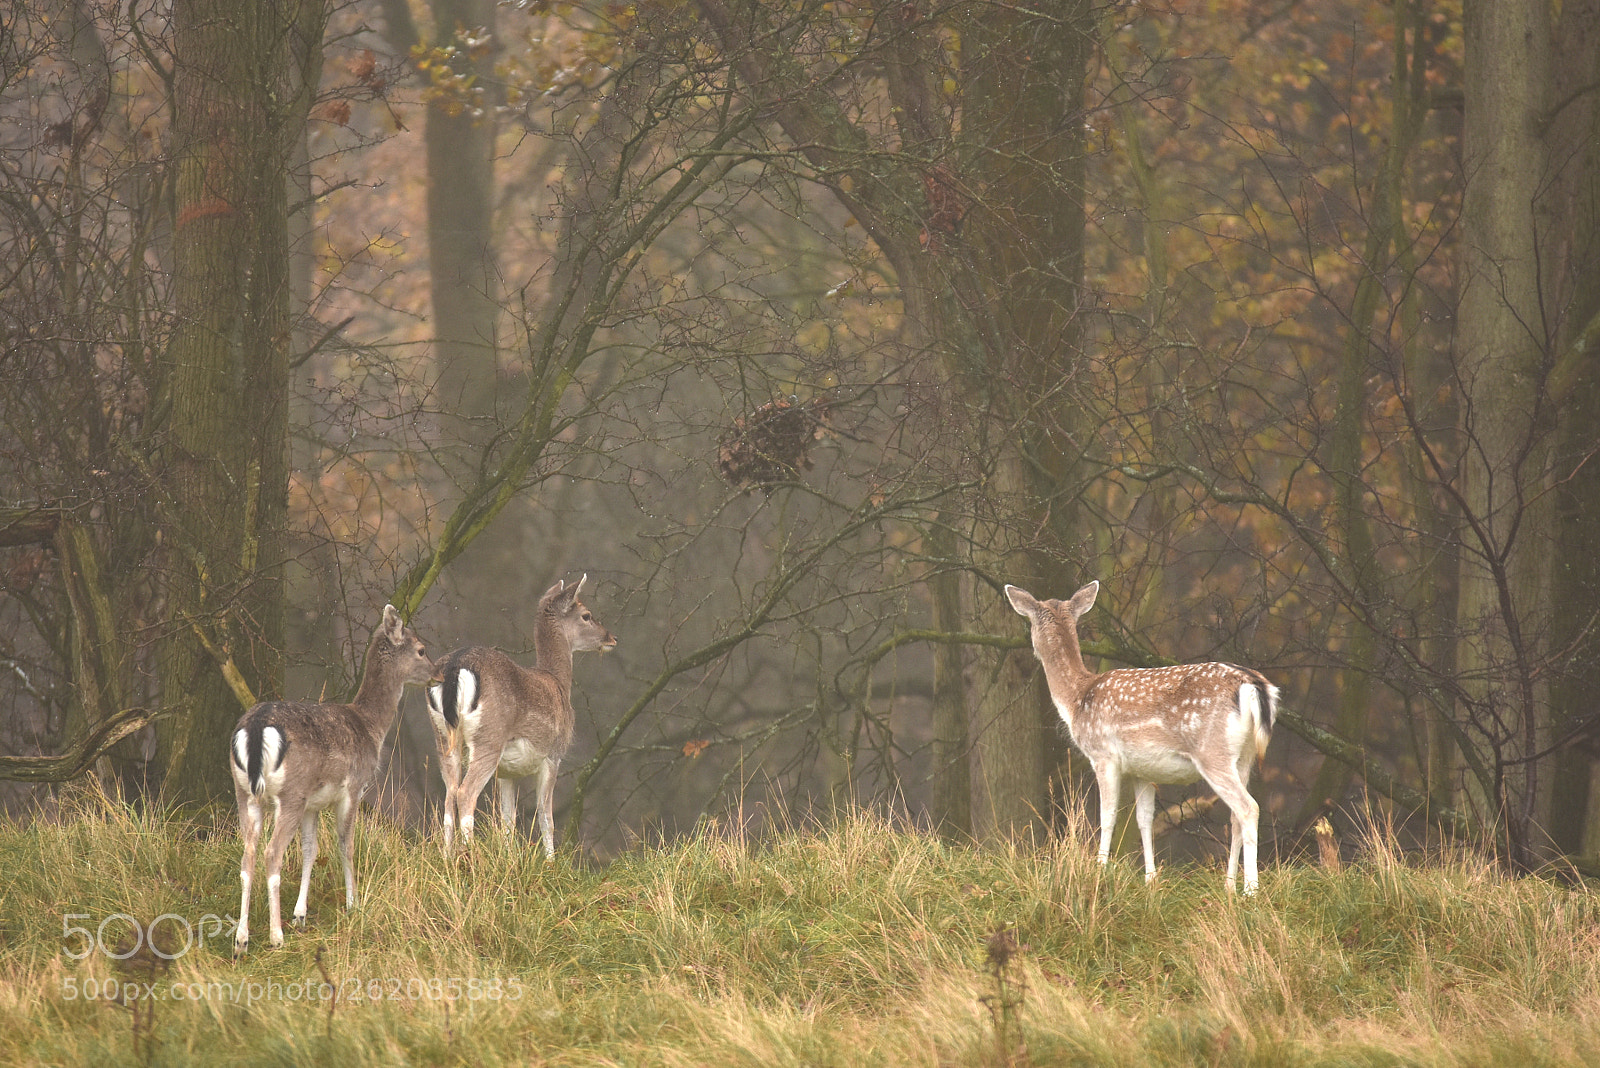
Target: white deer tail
[[451, 699], [1258, 699]]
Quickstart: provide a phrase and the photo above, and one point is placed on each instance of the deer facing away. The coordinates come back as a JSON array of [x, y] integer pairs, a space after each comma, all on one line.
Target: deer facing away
[[499, 718], [304, 757], [1156, 725]]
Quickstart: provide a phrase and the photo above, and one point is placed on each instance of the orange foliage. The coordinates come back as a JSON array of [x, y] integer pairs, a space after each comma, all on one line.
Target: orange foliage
[[1232, 190]]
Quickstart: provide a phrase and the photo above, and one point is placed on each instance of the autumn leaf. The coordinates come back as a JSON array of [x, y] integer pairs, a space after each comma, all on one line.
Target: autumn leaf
[[336, 111]]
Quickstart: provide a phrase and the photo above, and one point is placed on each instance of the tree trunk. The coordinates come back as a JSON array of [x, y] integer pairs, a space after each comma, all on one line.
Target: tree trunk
[[1503, 608], [462, 275], [1574, 133], [459, 143], [1022, 140], [236, 112]]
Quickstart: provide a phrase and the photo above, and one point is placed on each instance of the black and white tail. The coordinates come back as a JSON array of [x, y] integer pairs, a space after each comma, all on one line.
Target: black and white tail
[[453, 698], [258, 750]]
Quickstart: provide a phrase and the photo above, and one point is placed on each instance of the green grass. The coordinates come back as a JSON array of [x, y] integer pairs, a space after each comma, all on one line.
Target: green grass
[[851, 944]]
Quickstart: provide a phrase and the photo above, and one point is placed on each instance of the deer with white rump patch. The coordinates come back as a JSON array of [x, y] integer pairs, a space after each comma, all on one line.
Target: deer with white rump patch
[[1156, 725], [501, 719], [304, 757]]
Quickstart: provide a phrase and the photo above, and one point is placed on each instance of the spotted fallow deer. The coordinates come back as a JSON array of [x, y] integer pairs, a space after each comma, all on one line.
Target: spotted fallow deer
[[1156, 725], [499, 718], [304, 757]]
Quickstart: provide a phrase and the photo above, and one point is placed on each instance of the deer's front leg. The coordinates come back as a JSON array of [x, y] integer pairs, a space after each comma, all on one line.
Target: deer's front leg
[[507, 789], [547, 804], [308, 857]]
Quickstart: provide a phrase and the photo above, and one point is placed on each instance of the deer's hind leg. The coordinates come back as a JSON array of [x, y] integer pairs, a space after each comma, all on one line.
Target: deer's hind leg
[[482, 762], [347, 845], [506, 788], [1246, 814], [445, 742], [250, 819], [285, 825], [308, 857]]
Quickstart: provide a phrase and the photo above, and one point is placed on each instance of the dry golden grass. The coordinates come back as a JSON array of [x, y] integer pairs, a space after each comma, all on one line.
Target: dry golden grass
[[851, 944]]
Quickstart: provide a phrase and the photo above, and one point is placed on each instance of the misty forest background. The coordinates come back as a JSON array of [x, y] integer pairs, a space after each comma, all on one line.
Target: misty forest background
[[800, 327]]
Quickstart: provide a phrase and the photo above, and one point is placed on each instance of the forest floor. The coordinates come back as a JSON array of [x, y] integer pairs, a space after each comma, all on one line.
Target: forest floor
[[855, 943]]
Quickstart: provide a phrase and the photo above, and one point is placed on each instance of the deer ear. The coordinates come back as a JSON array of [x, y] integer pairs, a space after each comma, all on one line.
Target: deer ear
[[392, 622], [1083, 600], [562, 596], [1024, 603]]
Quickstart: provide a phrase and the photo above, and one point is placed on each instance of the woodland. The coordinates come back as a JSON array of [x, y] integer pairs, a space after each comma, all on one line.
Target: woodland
[[800, 328]]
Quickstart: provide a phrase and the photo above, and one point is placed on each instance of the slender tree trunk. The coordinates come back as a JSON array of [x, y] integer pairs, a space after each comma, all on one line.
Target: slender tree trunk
[[950, 801], [312, 574], [1352, 527], [459, 148], [99, 551]]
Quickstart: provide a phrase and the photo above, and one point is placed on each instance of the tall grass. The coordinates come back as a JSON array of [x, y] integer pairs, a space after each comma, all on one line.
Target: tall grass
[[855, 943]]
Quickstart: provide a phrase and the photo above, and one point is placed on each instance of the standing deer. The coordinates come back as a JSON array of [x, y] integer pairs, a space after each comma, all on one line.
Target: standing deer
[[304, 757], [507, 720], [1156, 725]]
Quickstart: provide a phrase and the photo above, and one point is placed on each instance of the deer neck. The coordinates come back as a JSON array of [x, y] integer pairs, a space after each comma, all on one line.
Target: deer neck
[[1064, 670], [378, 699], [553, 653]]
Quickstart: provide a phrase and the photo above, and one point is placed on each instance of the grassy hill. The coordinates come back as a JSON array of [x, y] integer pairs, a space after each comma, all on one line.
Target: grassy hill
[[852, 944]]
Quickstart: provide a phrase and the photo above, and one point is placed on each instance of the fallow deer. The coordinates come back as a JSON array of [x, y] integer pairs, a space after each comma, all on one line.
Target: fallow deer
[[304, 757], [1156, 725], [502, 719]]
